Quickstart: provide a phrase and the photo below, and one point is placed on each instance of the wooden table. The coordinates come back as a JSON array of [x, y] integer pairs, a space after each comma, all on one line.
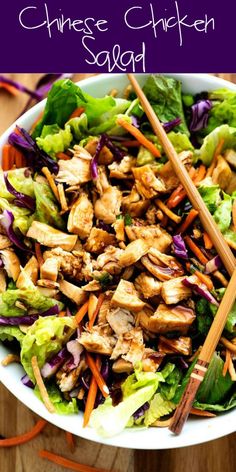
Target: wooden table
[[217, 456]]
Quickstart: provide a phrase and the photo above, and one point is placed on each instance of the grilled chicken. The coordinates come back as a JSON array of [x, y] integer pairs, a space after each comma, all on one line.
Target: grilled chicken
[[122, 169], [3, 281], [4, 242], [167, 173], [69, 265], [232, 184], [96, 341], [167, 319], [151, 360], [182, 345], [76, 170], [50, 268], [126, 296], [11, 263], [147, 184], [129, 346], [230, 157], [121, 366], [105, 155], [120, 320], [160, 265], [51, 237], [119, 227], [108, 261], [153, 235], [98, 240], [133, 252], [134, 205], [76, 294], [173, 291], [80, 220], [222, 173], [147, 285], [29, 272], [68, 380], [107, 207]]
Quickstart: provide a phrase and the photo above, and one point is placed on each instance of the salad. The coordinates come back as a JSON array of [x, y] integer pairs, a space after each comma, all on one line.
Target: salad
[[108, 282]]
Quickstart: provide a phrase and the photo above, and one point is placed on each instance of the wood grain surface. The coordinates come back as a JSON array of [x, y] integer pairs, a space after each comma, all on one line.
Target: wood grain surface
[[15, 418]]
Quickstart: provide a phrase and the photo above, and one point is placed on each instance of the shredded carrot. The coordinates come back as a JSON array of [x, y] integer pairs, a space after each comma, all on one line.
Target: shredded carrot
[[227, 361], [188, 265], [70, 441], [77, 112], [195, 249], [63, 156], [200, 174], [139, 136], [92, 393], [234, 214], [81, 313], [7, 157], [51, 182], [62, 314], [68, 464], [99, 304], [38, 254], [207, 414], [207, 240], [228, 344], [188, 221], [214, 160], [205, 279], [9, 88], [23, 438], [131, 143], [167, 211], [99, 379], [43, 391], [179, 193]]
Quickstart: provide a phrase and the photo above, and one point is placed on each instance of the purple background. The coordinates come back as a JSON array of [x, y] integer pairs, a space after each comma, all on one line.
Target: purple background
[[32, 51]]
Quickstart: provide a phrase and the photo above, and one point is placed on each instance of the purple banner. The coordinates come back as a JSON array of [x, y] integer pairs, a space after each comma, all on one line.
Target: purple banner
[[117, 36]]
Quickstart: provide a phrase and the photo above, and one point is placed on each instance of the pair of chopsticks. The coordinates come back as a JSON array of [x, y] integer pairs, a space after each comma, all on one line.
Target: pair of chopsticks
[[225, 253]]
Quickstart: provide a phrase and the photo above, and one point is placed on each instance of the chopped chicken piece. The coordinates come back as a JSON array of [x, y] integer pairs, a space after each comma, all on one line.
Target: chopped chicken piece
[[105, 155], [11, 263], [147, 184], [151, 360], [122, 169], [167, 173], [68, 380], [120, 320], [29, 273], [107, 207], [162, 266], [87, 267], [108, 261], [96, 341], [80, 219], [3, 281], [69, 265], [129, 346], [134, 205], [153, 235], [4, 242], [98, 240], [102, 315], [142, 317], [133, 252], [230, 156], [51, 237], [101, 183], [147, 285], [128, 273], [152, 215], [222, 173], [75, 171], [121, 366], [126, 296], [231, 187], [48, 292], [76, 294], [49, 269], [166, 319], [119, 227], [173, 291], [92, 286], [182, 345], [47, 283]]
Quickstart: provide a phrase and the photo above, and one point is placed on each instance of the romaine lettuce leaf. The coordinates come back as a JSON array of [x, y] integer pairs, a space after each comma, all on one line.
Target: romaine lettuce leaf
[[8, 333], [172, 376], [22, 216], [21, 181], [211, 141], [215, 386], [210, 194], [223, 110], [180, 141], [47, 210], [230, 235], [54, 142], [228, 405], [222, 215], [158, 407], [79, 126], [43, 339], [164, 94], [62, 406]]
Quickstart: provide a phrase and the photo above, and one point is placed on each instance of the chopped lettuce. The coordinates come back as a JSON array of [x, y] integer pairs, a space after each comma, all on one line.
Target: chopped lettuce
[[22, 216], [47, 210], [54, 140], [180, 141], [21, 182], [230, 235], [158, 407], [29, 296], [144, 157], [211, 141], [43, 339], [164, 94], [210, 195], [8, 333], [215, 386], [137, 389], [227, 405], [79, 126], [222, 215], [62, 406], [204, 316], [223, 110], [172, 376]]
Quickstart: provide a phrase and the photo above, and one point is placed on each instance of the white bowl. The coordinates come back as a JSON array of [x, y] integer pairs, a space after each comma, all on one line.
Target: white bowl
[[196, 431]]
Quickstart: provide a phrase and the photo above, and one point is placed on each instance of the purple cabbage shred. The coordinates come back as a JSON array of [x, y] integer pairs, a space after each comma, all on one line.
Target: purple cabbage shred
[[140, 411], [200, 115], [180, 249], [169, 125]]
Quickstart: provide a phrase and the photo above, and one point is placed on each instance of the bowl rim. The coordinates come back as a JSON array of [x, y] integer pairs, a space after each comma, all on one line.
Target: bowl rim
[[197, 431]]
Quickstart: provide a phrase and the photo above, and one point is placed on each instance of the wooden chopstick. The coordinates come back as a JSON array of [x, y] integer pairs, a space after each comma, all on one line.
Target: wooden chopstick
[[183, 409], [194, 196]]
